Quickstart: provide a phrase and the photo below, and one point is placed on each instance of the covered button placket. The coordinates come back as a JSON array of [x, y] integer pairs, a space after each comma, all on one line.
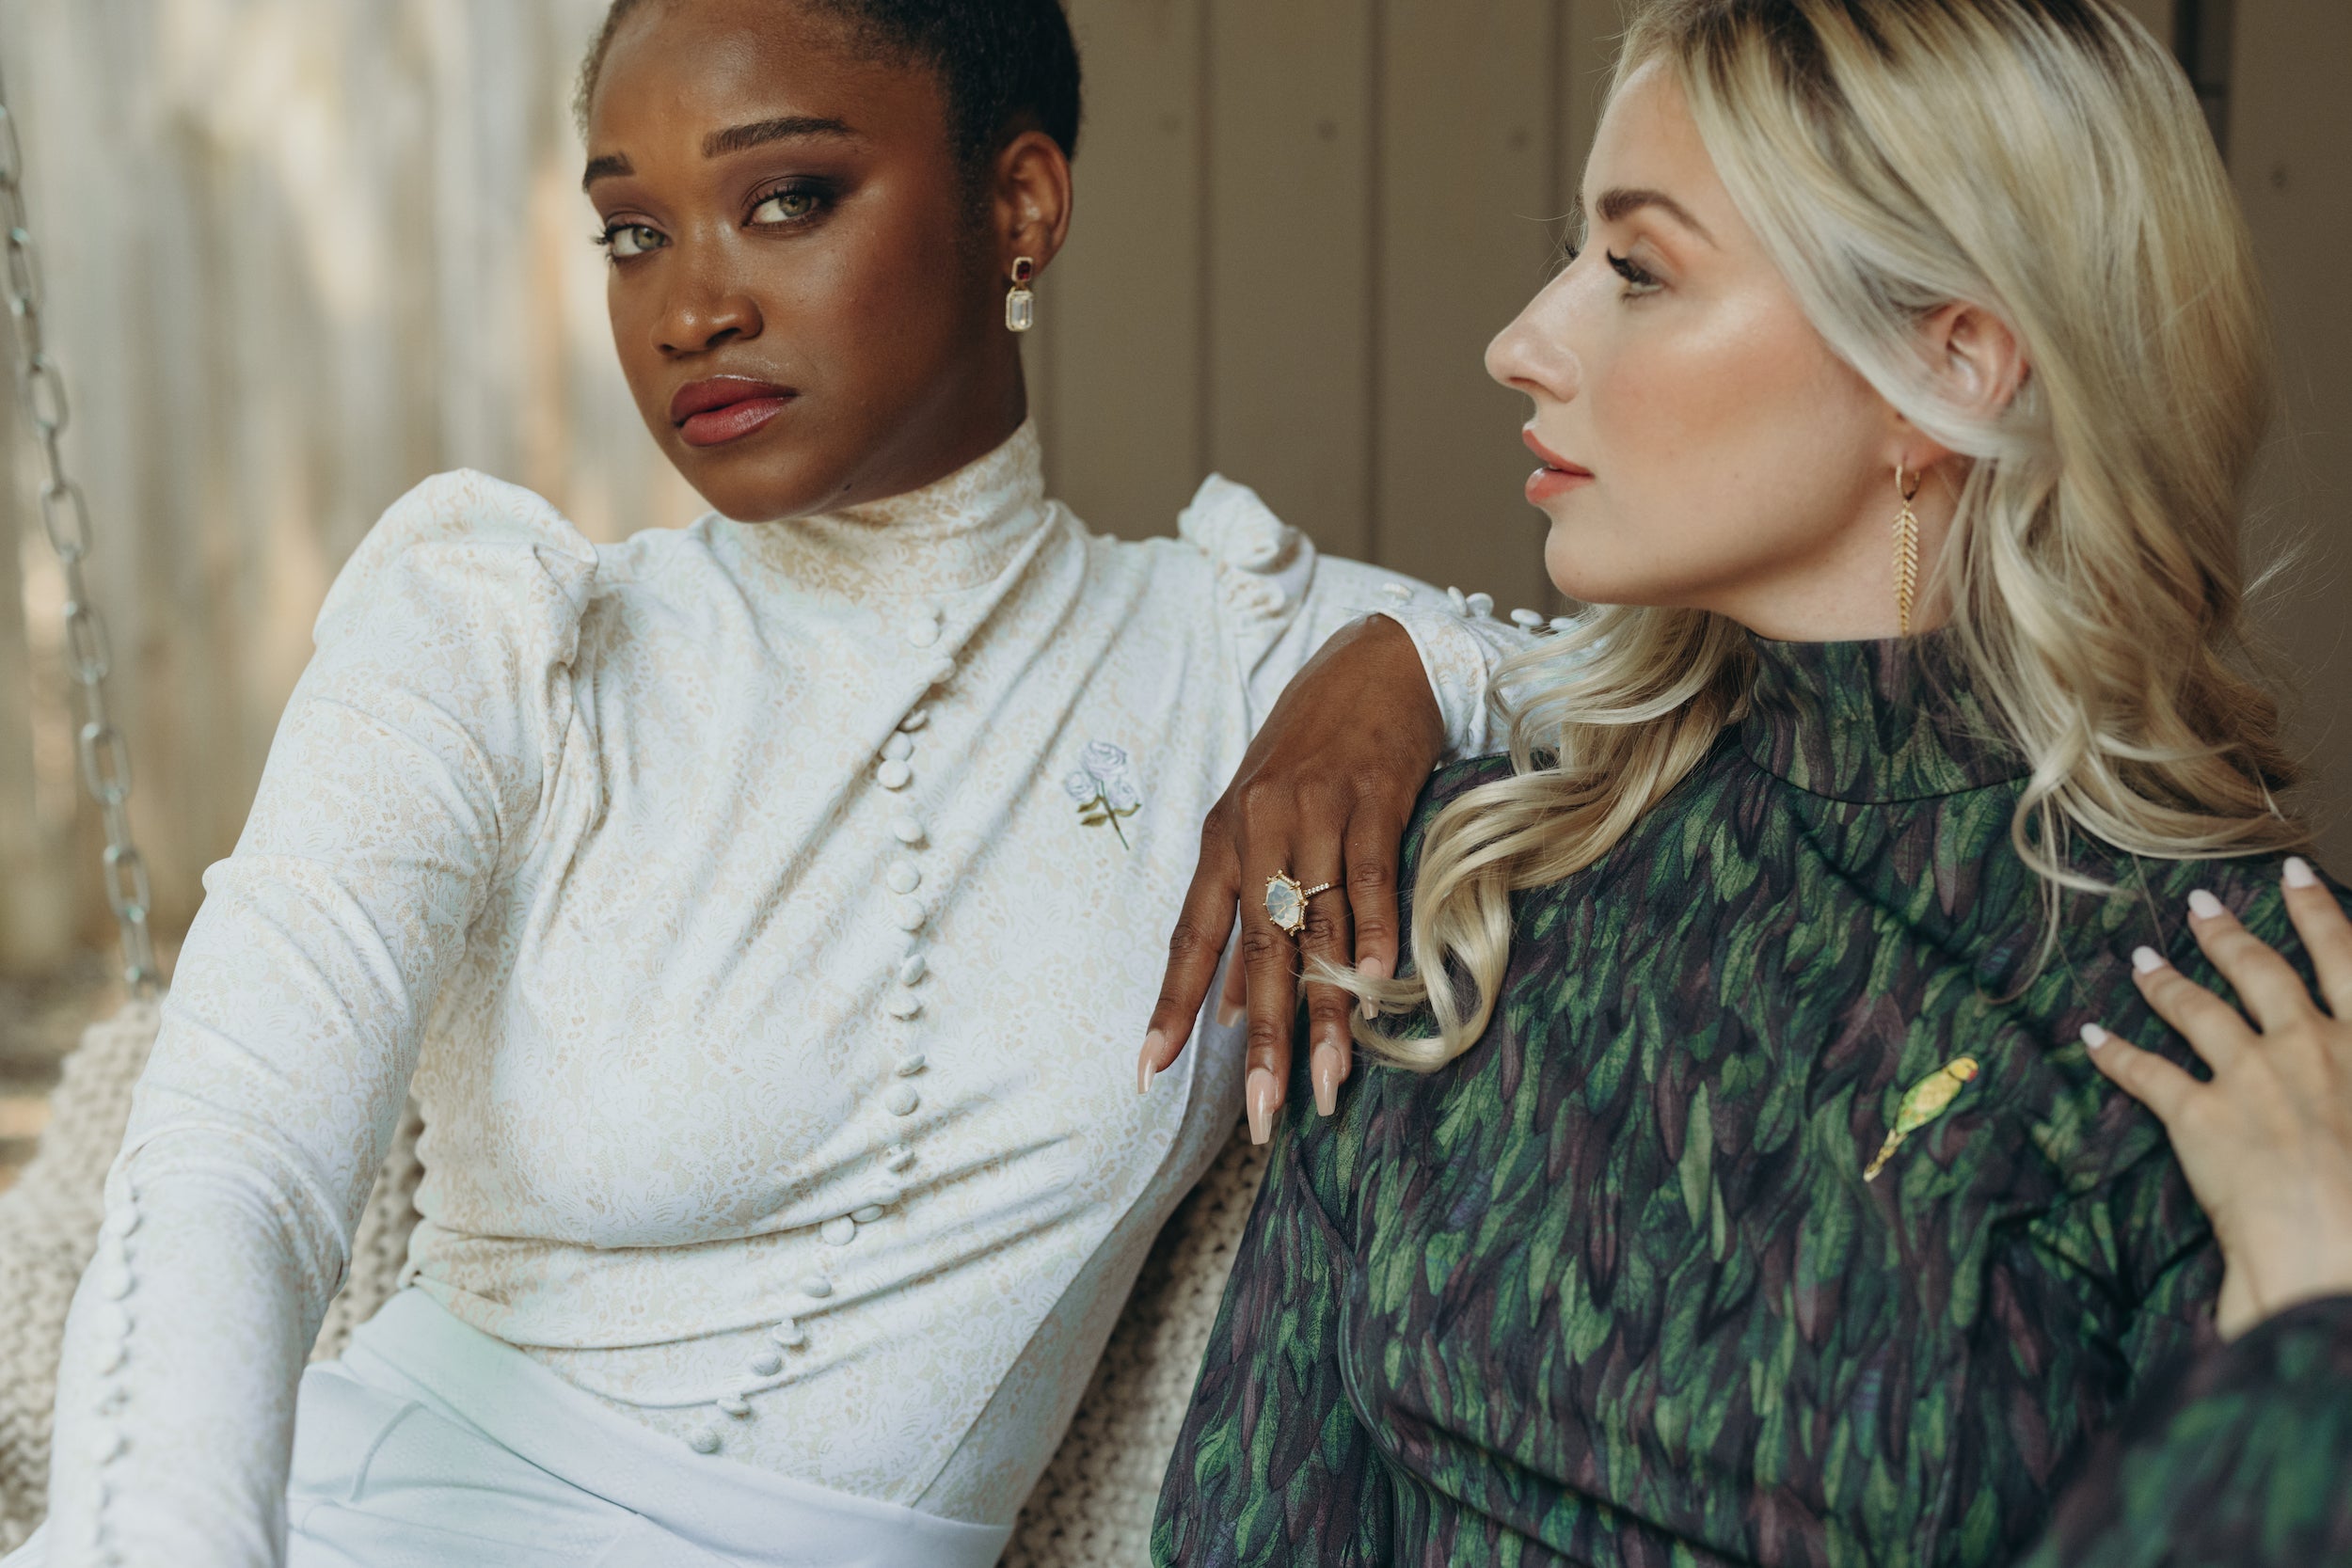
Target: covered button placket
[[111, 1276], [902, 1007], [765, 1364]]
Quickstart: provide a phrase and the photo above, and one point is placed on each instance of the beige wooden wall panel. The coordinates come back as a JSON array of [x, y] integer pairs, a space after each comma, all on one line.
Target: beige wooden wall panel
[[38, 909], [337, 247], [2290, 141], [1290, 258], [1472, 197], [306, 251], [1298, 227], [1587, 54], [1123, 310], [302, 253]]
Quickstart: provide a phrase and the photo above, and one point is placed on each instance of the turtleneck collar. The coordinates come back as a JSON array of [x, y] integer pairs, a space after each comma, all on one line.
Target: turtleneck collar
[[956, 533], [1873, 721]]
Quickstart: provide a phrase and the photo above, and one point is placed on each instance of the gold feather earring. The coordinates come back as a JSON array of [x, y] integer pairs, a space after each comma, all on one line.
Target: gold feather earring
[[1906, 550]]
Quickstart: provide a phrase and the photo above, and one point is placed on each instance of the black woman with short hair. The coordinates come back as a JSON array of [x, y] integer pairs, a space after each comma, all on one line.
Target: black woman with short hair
[[761, 912]]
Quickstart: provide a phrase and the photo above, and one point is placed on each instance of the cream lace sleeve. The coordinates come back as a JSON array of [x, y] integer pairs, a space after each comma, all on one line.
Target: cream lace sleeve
[[409, 766], [1283, 599]]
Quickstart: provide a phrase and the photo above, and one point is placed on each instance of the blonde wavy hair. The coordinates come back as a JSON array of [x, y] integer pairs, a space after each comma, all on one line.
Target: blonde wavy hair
[[2044, 161]]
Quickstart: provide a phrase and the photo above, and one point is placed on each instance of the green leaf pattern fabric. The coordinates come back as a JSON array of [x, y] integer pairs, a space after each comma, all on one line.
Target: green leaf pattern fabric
[[1610, 1287]]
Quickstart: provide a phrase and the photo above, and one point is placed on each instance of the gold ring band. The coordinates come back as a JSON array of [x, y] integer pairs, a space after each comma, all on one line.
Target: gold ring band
[[1286, 901]]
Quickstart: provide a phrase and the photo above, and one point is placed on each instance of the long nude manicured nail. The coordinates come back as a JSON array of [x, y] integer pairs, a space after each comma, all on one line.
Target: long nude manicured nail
[[2203, 905], [1371, 968], [1261, 1098], [1228, 1013], [2093, 1036], [1327, 1080], [2147, 959], [1148, 1064], [2299, 873], [1341, 1047]]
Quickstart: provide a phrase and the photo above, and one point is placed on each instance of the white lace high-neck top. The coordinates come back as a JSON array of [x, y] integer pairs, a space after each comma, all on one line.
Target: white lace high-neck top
[[765, 918]]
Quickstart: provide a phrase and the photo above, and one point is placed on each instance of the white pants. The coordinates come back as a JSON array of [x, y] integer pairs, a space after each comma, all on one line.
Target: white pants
[[390, 1472]]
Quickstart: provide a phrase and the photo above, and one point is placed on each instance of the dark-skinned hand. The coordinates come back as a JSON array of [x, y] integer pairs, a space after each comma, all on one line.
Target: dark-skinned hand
[[2267, 1143], [1323, 793]]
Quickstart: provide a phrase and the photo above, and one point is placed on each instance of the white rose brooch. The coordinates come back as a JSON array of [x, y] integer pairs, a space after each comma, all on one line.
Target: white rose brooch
[[1105, 788]]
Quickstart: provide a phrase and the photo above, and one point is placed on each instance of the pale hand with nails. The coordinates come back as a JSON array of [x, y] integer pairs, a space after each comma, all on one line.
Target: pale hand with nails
[[2267, 1142]]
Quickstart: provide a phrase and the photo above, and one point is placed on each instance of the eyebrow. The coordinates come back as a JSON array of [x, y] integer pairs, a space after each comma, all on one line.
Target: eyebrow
[[759, 133], [1620, 202], [735, 138]]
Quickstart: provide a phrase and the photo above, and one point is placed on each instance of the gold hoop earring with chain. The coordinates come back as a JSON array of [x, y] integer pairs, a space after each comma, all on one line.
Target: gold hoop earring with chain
[[1906, 549]]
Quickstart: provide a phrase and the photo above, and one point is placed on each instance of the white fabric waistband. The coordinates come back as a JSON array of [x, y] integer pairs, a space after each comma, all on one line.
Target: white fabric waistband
[[725, 1507]]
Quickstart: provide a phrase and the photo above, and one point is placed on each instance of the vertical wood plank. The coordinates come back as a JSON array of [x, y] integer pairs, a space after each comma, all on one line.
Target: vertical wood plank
[[1119, 397], [2291, 160], [36, 916], [1469, 209], [2155, 15], [1588, 53], [1291, 94]]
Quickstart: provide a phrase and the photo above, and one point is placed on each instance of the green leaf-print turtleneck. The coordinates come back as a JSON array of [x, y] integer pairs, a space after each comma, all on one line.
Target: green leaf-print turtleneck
[[1611, 1287]]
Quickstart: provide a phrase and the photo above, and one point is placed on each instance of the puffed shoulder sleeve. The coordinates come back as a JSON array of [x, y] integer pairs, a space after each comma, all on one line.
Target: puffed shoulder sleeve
[[1280, 599], [408, 770], [467, 594]]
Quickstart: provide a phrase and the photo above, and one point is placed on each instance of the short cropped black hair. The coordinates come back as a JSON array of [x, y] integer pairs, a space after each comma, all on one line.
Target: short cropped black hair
[[1004, 65]]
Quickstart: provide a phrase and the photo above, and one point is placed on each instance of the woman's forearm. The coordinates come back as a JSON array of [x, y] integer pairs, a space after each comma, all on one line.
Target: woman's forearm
[[176, 1393], [412, 753], [2244, 1457]]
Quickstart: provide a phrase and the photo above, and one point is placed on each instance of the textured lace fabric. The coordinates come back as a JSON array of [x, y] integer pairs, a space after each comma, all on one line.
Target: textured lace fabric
[[765, 916]]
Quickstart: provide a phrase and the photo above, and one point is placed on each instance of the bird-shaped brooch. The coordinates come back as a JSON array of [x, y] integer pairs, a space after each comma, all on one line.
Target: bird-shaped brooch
[[1926, 1101]]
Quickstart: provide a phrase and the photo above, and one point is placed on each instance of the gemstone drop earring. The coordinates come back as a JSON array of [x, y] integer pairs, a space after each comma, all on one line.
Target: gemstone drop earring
[[1020, 304]]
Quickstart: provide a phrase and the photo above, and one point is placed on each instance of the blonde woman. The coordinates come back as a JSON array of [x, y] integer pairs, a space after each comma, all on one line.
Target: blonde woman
[[1754, 1197]]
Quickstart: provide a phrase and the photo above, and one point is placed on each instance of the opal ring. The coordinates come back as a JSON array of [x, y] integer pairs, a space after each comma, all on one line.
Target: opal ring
[[1286, 901]]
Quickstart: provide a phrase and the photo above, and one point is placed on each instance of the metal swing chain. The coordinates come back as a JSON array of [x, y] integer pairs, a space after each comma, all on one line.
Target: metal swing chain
[[65, 518]]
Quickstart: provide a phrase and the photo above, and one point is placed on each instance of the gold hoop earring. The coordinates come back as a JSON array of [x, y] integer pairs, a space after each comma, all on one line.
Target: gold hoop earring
[[1020, 304], [1906, 550]]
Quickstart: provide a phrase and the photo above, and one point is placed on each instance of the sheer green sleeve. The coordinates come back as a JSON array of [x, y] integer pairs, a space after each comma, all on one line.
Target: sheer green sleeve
[[1272, 1465], [2243, 1457]]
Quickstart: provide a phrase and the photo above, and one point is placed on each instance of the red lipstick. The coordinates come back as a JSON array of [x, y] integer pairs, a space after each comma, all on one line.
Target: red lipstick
[[726, 408], [1557, 477]]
